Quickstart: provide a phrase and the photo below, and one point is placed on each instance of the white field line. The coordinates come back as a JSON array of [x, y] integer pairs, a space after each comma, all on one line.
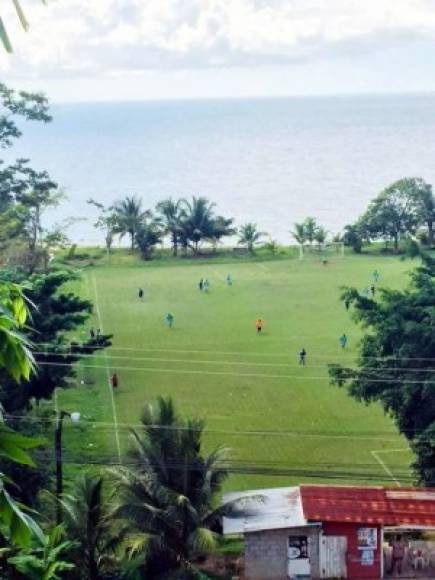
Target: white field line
[[100, 325], [383, 464]]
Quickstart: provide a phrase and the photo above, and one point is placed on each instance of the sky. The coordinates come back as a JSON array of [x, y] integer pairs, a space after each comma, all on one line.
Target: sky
[[93, 50]]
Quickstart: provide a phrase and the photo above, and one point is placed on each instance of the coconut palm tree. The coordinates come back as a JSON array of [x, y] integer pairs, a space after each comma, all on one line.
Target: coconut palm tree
[[198, 222], [148, 236], [88, 522], [172, 214], [310, 227], [4, 37], [249, 235], [320, 236], [299, 233], [170, 494], [129, 216]]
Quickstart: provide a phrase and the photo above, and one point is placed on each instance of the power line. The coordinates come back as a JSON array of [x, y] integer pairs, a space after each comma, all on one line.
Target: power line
[[239, 353], [218, 362], [228, 373]]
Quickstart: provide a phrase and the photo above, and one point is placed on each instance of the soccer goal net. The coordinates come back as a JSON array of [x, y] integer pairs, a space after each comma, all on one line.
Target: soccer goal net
[[321, 252]]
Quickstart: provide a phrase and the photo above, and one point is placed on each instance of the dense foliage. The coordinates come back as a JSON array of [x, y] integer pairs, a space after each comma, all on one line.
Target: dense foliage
[[395, 364]]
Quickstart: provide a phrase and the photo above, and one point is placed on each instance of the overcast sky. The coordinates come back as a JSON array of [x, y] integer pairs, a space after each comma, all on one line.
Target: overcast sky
[[139, 49]]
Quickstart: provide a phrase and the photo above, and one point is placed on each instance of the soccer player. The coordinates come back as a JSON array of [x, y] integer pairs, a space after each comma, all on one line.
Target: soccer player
[[343, 340], [324, 260], [376, 276], [114, 381], [140, 293], [259, 325], [92, 333], [201, 284], [302, 356], [229, 280], [373, 289], [169, 319], [206, 285], [347, 303]]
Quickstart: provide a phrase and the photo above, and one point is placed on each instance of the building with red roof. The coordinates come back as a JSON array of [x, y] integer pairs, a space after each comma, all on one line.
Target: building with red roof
[[324, 531]]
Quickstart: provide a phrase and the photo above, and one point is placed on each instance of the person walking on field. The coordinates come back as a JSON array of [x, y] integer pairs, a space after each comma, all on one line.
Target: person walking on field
[[140, 293], [206, 285], [259, 325], [114, 381], [201, 285], [92, 333], [343, 340], [373, 290], [302, 356], [376, 276], [347, 303], [229, 280], [169, 319]]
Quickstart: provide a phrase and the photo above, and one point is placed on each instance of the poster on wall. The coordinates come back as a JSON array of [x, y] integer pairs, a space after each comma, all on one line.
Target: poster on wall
[[367, 557], [297, 547], [367, 538]]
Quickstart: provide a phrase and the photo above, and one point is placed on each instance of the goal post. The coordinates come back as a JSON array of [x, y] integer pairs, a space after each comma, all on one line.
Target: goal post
[[328, 250]]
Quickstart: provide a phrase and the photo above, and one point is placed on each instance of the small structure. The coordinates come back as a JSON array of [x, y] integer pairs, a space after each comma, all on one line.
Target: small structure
[[323, 531]]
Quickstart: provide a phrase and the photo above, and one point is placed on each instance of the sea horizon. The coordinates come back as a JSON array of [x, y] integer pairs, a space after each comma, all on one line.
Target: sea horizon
[[270, 160]]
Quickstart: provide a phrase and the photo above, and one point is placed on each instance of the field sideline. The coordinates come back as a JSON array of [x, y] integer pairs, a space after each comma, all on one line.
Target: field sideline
[[287, 422]]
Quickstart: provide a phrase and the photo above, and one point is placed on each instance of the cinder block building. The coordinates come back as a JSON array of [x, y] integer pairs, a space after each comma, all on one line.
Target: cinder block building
[[320, 531]]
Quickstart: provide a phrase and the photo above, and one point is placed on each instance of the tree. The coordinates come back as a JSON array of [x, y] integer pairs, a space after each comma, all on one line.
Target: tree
[[352, 237], [172, 213], [198, 222], [395, 364], [17, 362], [44, 560], [425, 201], [320, 236], [106, 222], [310, 227], [299, 233], [147, 237], [88, 522], [129, 217], [394, 213], [4, 37], [170, 494], [57, 313], [249, 235]]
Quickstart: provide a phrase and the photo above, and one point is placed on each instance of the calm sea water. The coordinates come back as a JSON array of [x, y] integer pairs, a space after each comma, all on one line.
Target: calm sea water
[[271, 161]]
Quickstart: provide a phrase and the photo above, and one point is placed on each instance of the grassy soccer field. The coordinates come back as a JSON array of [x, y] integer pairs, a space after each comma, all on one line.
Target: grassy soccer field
[[275, 416]]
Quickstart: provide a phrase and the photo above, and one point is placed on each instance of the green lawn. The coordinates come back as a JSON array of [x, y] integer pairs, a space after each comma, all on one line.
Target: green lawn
[[272, 414]]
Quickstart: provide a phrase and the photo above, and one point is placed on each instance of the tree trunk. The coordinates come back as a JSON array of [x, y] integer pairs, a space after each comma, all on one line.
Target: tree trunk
[[430, 233], [396, 243], [132, 240], [174, 244]]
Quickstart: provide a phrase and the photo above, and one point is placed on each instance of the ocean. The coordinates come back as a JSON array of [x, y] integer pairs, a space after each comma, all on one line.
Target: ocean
[[270, 161]]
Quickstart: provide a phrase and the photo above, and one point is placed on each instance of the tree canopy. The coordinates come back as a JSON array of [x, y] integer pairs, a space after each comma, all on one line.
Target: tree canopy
[[395, 362]]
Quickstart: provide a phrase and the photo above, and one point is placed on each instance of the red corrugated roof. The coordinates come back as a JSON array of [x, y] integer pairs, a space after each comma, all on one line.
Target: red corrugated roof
[[369, 505]]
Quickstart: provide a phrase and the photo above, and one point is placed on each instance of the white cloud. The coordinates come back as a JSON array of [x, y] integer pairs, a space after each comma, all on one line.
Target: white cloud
[[103, 37]]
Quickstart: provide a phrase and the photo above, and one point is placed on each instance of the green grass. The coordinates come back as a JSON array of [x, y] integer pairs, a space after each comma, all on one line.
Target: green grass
[[255, 399]]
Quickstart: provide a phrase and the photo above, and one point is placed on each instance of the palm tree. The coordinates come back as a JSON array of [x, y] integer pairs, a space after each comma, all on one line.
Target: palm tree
[[170, 495], [198, 222], [320, 236], [299, 233], [249, 235], [129, 216], [310, 228], [172, 215], [147, 237], [4, 37], [88, 522]]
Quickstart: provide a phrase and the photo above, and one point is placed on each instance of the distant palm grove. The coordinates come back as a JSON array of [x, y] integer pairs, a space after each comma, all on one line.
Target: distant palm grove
[[404, 209]]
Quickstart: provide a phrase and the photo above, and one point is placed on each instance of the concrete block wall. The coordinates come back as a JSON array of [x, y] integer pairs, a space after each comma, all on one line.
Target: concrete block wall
[[266, 553]]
